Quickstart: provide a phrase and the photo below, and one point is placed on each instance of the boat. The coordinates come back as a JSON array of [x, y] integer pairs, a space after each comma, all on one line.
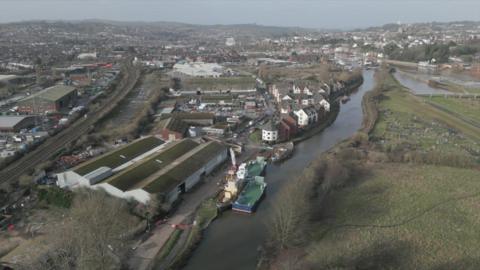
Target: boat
[[250, 196], [252, 168], [229, 192], [233, 185], [282, 152], [344, 99]]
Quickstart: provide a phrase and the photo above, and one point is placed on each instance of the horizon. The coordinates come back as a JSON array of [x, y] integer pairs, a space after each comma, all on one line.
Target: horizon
[[318, 15], [106, 21]]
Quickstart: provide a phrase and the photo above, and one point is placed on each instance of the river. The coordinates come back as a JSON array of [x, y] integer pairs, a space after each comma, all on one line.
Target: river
[[231, 242], [417, 86]]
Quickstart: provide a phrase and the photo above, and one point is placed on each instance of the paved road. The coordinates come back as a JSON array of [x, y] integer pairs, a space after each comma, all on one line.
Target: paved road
[[146, 252]]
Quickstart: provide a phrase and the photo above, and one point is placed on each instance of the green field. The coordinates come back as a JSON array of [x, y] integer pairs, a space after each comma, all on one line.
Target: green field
[[468, 107], [405, 119], [222, 83], [401, 217], [256, 136]]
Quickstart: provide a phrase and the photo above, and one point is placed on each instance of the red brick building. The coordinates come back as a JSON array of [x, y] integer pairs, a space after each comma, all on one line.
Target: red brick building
[[287, 128], [174, 129]]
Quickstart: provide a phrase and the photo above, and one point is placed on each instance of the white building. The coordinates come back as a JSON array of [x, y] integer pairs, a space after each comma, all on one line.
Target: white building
[[306, 116], [230, 42], [84, 56], [302, 117], [199, 69], [269, 132], [326, 106]]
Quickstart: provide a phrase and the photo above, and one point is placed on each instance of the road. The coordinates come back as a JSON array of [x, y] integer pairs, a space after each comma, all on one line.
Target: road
[[54, 144], [144, 255]]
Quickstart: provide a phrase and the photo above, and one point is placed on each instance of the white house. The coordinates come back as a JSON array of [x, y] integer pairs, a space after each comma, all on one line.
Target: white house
[[326, 106], [269, 132], [275, 93], [302, 117]]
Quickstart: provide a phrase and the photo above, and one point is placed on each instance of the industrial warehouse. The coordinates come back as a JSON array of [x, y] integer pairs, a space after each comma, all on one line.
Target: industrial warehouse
[[148, 167], [53, 99]]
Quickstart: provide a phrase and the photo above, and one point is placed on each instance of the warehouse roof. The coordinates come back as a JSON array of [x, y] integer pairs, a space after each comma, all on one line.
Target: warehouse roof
[[119, 156], [10, 121], [132, 177], [199, 157], [176, 125], [53, 93], [7, 77]]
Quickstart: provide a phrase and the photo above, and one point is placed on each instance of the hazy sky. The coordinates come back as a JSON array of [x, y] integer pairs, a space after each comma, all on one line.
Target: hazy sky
[[344, 14]]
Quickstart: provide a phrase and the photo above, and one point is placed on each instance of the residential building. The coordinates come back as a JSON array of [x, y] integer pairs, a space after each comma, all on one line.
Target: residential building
[[270, 132]]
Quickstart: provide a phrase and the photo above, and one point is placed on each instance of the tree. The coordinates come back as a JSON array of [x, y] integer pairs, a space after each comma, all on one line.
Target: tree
[[94, 234], [289, 214], [390, 49]]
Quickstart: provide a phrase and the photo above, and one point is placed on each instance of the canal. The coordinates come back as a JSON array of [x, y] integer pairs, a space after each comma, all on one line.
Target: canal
[[232, 241]]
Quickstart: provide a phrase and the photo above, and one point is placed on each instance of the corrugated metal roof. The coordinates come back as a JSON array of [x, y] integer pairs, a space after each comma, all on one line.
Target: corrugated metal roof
[[53, 93], [10, 121]]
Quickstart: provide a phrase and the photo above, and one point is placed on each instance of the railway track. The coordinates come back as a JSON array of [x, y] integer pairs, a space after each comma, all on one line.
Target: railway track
[[82, 126]]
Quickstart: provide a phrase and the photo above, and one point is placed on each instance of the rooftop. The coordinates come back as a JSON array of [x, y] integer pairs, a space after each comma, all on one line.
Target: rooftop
[[197, 158], [131, 177], [10, 121], [176, 125], [53, 93], [119, 156], [7, 77]]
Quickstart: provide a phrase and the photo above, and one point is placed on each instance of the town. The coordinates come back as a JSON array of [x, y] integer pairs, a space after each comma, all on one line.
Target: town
[[162, 128]]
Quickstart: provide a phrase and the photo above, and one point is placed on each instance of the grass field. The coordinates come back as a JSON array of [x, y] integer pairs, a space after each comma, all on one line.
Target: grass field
[[222, 83], [466, 106], [401, 217], [256, 136], [405, 118]]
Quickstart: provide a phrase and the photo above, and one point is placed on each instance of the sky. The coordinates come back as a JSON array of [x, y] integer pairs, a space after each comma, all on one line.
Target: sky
[[319, 14]]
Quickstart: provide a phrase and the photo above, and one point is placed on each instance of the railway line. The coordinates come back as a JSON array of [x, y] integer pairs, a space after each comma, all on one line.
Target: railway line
[[82, 126]]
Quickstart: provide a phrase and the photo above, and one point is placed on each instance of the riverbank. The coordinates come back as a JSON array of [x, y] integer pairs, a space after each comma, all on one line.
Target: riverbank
[[381, 189], [235, 234], [332, 115], [184, 241]]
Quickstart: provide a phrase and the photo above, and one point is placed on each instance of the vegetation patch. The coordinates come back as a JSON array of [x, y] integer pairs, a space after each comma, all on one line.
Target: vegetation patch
[[167, 248], [222, 83], [407, 124], [56, 196], [467, 107], [256, 136], [400, 217]]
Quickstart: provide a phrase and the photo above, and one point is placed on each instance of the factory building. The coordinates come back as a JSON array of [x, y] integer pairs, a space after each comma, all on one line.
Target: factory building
[[53, 99], [16, 123], [164, 171]]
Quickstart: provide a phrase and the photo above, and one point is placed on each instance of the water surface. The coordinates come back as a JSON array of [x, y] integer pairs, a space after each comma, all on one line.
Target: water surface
[[232, 241]]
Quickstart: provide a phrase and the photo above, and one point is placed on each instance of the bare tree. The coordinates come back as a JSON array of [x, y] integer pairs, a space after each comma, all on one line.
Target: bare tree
[[290, 213], [93, 236]]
